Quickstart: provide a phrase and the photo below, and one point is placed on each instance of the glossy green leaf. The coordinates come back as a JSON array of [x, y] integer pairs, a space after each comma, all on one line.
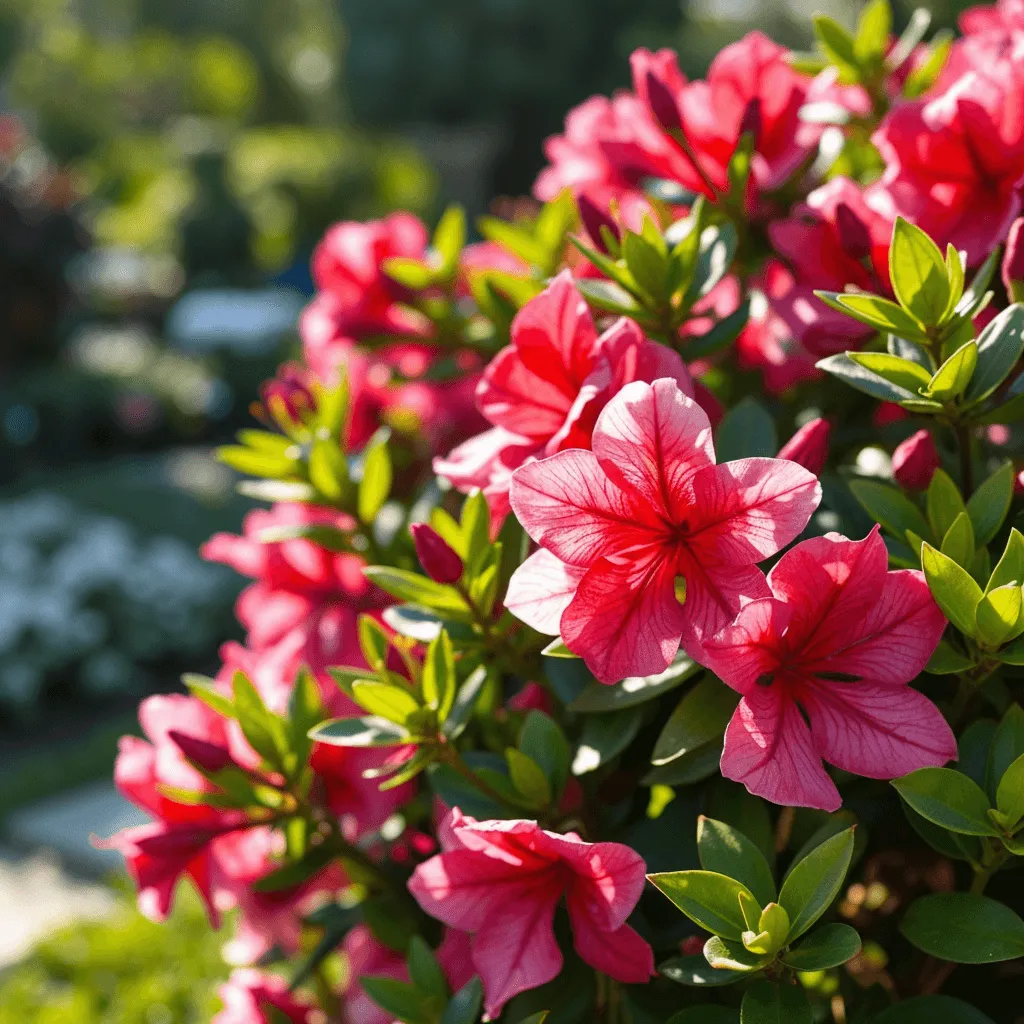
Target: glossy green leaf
[[384, 700], [398, 998], [375, 485], [1006, 746], [608, 296], [767, 1003], [747, 430], [890, 507], [709, 899], [958, 543], [728, 851], [990, 503], [465, 701], [917, 272], [814, 882], [827, 946], [1010, 567], [1000, 346], [947, 798], [604, 737], [1010, 792], [417, 589], [857, 376], [901, 372], [636, 689], [965, 928], [696, 972], [700, 717], [464, 1007], [953, 376], [946, 660], [360, 732], [723, 955], [528, 777], [543, 740], [953, 588], [439, 682], [998, 614], [943, 501]]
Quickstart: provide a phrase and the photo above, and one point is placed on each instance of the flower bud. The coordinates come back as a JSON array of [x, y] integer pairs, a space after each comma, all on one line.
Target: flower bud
[[1013, 262], [808, 447], [211, 757], [594, 218], [288, 399], [915, 460], [439, 560], [662, 103]]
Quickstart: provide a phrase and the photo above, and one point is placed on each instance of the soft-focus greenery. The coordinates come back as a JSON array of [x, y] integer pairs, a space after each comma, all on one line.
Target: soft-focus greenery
[[125, 970]]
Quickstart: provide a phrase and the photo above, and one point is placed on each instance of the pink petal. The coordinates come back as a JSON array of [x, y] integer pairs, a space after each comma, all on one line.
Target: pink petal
[[625, 620], [475, 462], [633, 356], [621, 954], [881, 732], [567, 504], [465, 888], [609, 879], [714, 596], [894, 638], [651, 439], [748, 649], [768, 748], [747, 510], [541, 589], [515, 949], [554, 335], [516, 399]]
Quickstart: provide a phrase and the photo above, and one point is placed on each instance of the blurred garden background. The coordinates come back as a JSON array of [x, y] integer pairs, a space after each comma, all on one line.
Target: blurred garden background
[[165, 170]]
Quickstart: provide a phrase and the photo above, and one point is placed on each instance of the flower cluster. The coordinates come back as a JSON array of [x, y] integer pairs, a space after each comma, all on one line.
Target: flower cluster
[[679, 502]]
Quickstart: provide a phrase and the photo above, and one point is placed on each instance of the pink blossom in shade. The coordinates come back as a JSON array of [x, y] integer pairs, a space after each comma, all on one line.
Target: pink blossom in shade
[[366, 956], [809, 446], [955, 161], [767, 343], [1005, 16], [502, 880], [915, 460], [618, 524], [253, 997], [837, 641], [544, 391], [838, 237]]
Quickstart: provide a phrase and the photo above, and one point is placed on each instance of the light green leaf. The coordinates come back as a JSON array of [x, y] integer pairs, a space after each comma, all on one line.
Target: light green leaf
[[947, 798], [917, 273], [727, 851], [417, 589], [1010, 792], [998, 614], [528, 777], [1010, 567], [958, 543], [375, 486], [439, 681], [953, 376], [990, 503], [827, 946], [814, 882], [874, 311], [709, 899], [360, 732], [953, 588], [1000, 346], [901, 372], [943, 501], [723, 955]]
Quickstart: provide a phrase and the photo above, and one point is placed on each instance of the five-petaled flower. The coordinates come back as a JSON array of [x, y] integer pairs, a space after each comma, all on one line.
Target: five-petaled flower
[[837, 641], [617, 525], [503, 880]]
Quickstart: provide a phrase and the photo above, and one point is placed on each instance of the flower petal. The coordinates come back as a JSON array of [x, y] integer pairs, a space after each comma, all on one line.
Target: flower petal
[[880, 732], [515, 399], [651, 439], [567, 504], [747, 650], [633, 356], [747, 510], [768, 748], [714, 596], [621, 954], [625, 620], [541, 589]]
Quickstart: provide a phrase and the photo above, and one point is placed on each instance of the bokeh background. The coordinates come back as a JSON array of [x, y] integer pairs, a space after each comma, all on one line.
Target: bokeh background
[[165, 170]]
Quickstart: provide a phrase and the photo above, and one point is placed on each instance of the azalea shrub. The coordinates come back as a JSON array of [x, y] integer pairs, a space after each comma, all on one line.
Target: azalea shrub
[[636, 620]]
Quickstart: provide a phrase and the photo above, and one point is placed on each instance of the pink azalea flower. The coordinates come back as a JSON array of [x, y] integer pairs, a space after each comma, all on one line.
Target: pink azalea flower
[[252, 997], [837, 640], [502, 880], [618, 524], [543, 393]]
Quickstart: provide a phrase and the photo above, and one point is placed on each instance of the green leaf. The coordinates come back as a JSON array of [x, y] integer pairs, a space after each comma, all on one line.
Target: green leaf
[[465, 701], [965, 928], [543, 740], [449, 238], [417, 589], [998, 614], [873, 27], [465, 1006], [1010, 792], [696, 972], [721, 334], [746, 430], [874, 311], [946, 660], [958, 543], [932, 1010], [990, 503], [205, 689], [767, 1003], [375, 485], [608, 296], [709, 899], [636, 689], [257, 463], [814, 882], [723, 955], [360, 732], [557, 649], [955, 275], [424, 970], [857, 376], [439, 681], [604, 737], [728, 851], [943, 502], [694, 766], [1000, 346], [1006, 746], [837, 43], [398, 998], [827, 946], [714, 257], [700, 717], [708, 1014], [901, 372], [890, 507], [260, 726], [953, 376], [528, 777], [328, 469], [947, 798], [1010, 567], [297, 872], [953, 588], [373, 642], [974, 298], [384, 700], [648, 267], [917, 273]]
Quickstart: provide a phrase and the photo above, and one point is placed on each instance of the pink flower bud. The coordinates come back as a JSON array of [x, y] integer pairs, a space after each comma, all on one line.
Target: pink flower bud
[[211, 757], [662, 103], [1013, 262], [914, 462], [440, 562], [288, 398], [853, 235], [594, 218], [808, 447]]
